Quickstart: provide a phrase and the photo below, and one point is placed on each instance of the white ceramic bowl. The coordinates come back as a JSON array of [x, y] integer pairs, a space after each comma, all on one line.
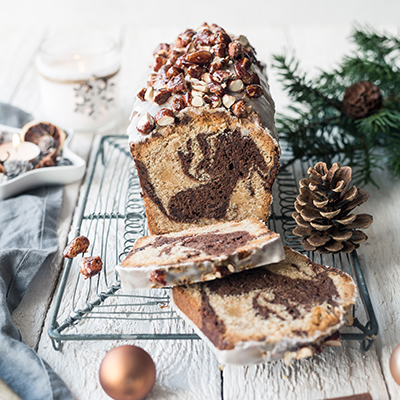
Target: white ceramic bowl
[[35, 178]]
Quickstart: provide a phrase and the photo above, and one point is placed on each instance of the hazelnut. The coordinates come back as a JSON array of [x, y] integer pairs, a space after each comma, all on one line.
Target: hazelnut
[[228, 100], [248, 53], [190, 47], [149, 93], [190, 32], [177, 84], [195, 71], [256, 79], [243, 74], [197, 93], [159, 61], [200, 86], [162, 48], [231, 268], [182, 62], [151, 79], [200, 57], [203, 26], [254, 91], [177, 104], [164, 117], [197, 101], [206, 99], [141, 94], [173, 71], [161, 96], [235, 50], [217, 64], [243, 40], [163, 73], [215, 101], [236, 85], [184, 39], [204, 37], [220, 37], [239, 108], [245, 63], [220, 76], [77, 246], [187, 98], [206, 77], [216, 88], [219, 50], [145, 124], [91, 266], [158, 276], [174, 54]]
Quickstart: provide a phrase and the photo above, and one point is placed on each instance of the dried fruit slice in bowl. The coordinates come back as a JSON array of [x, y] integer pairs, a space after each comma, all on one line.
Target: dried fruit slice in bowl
[[46, 135]]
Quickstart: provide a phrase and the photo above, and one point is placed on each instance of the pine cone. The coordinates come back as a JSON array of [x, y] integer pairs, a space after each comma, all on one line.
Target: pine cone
[[323, 207], [361, 100]]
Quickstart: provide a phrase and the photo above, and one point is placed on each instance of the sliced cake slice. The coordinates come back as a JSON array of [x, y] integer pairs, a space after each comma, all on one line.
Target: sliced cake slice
[[284, 310], [199, 254]]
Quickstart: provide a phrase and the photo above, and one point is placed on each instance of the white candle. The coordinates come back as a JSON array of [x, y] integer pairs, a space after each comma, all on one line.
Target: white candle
[[25, 151], [78, 81]]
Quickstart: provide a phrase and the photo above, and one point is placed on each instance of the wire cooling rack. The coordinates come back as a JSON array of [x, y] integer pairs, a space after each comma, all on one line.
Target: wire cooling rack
[[112, 216]]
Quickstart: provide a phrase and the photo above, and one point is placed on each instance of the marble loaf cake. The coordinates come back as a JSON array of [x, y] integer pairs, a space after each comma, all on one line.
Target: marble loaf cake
[[202, 133], [284, 310], [199, 254]]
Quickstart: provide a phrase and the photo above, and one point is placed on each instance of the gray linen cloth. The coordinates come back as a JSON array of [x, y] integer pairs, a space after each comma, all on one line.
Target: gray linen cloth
[[28, 242]]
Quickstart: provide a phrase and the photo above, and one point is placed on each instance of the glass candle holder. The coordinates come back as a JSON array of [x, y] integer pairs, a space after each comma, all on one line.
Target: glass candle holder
[[78, 79]]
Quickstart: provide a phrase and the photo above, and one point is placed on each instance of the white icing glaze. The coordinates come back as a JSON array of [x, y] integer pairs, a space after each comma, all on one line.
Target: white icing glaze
[[253, 352], [139, 277]]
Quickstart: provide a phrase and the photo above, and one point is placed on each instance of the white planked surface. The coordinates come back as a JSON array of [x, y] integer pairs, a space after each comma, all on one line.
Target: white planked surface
[[188, 370]]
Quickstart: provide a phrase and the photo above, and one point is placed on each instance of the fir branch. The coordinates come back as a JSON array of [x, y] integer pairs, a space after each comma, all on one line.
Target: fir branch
[[298, 87], [317, 125], [380, 45], [393, 151]]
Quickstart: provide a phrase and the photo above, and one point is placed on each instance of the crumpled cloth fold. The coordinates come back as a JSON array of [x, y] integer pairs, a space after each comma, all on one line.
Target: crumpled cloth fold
[[28, 242]]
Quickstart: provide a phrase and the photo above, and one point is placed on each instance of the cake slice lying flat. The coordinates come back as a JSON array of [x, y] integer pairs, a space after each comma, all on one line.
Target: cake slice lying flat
[[284, 310], [199, 254]]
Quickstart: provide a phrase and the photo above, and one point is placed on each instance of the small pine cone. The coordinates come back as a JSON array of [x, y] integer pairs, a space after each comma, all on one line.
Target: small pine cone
[[361, 100], [323, 211]]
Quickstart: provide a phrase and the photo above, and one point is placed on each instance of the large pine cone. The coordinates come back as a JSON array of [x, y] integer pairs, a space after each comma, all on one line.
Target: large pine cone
[[361, 100], [323, 207]]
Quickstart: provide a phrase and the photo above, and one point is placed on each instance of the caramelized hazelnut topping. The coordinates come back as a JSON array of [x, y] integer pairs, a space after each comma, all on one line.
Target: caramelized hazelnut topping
[[76, 246]]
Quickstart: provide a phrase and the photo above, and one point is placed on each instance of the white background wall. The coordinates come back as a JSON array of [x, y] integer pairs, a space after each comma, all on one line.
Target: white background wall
[[317, 30], [233, 14]]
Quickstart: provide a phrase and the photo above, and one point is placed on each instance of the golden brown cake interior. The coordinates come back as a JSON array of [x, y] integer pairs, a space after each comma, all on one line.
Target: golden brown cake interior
[[210, 167], [286, 305]]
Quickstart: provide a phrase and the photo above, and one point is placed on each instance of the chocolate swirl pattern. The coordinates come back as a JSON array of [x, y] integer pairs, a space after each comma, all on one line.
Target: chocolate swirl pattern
[[234, 157]]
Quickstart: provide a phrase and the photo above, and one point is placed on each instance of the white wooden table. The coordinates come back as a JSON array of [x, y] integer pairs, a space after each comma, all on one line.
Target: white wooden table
[[188, 370]]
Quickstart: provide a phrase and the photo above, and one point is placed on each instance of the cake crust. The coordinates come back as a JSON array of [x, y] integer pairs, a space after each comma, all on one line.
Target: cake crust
[[199, 254], [283, 310]]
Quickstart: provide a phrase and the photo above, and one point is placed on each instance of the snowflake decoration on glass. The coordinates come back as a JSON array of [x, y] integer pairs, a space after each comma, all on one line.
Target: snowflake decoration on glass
[[94, 97]]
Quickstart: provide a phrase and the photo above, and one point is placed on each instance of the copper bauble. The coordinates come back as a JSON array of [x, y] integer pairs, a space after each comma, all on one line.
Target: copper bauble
[[127, 373], [394, 364]]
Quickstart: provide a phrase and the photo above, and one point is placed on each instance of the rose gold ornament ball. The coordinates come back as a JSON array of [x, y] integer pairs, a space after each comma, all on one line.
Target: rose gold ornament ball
[[394, 364], [127, 373]]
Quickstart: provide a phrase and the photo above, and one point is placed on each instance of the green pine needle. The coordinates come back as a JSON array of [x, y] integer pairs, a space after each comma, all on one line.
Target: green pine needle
[[317, 126]]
